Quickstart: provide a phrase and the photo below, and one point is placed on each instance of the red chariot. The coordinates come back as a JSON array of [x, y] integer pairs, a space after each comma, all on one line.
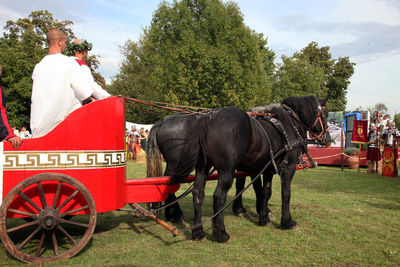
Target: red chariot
[[79, 168]]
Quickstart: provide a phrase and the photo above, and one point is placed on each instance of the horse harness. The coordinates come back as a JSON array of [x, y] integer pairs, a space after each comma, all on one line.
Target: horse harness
[[289, 144]]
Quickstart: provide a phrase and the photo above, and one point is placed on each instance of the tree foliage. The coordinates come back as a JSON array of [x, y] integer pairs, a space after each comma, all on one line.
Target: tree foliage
[[314, 71], [397, 120], [199, 53], [22, 46]]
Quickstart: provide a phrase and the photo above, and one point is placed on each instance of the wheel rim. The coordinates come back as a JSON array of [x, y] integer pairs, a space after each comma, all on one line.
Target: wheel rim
[[49, 201]]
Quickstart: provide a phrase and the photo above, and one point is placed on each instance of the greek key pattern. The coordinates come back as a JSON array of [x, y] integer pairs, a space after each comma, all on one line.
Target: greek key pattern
[[45, 160]]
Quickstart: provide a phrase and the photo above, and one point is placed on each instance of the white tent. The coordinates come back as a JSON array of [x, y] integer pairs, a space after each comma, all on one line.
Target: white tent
[[129, 125]]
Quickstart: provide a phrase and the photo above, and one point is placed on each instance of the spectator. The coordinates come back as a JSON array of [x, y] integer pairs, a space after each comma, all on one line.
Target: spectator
[[373, 152], [15, 130], [6, 133], [24, 133], [142, 138]]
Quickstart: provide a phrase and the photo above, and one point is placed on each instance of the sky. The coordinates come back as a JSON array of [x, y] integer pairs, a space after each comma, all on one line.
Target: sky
[[367, 31]]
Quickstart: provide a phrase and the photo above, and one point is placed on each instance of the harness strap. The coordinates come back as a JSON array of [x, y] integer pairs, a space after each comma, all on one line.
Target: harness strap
[[304, 144], [271, 153], [279, 127]]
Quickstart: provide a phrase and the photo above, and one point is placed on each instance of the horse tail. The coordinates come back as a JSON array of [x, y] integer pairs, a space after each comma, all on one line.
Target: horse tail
[[194, 153], [153, 154]]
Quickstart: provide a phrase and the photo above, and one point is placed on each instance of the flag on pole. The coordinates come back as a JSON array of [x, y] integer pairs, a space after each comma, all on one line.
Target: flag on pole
[[360, 132]]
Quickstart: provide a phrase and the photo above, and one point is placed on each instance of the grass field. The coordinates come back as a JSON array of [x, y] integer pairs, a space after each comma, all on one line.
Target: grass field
[[345, 218]]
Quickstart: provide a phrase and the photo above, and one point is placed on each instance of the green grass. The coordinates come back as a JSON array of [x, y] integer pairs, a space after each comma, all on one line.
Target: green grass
[[346, 219]]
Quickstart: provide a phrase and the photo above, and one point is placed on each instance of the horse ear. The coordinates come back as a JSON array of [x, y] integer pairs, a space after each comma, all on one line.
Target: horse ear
[[322, 102]]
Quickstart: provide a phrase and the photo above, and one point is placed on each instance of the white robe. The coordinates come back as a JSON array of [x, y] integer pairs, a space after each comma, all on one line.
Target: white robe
[[98, 91], [58, 89]]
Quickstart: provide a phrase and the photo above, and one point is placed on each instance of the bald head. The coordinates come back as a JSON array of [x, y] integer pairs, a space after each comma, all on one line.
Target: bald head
[[56, 40], [55, 35]]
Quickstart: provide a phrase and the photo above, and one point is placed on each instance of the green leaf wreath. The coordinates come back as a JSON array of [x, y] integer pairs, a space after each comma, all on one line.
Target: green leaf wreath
[[72, 47]]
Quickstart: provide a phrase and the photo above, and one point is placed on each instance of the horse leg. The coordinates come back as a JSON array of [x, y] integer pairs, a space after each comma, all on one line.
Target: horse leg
[[258, 190], [173, 213], [237, 206], [224, 184], [265, 214], [198, 198], [286, 180]]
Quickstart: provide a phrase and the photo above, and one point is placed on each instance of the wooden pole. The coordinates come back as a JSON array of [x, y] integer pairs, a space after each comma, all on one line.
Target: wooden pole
[[341, 147], [359, 155]]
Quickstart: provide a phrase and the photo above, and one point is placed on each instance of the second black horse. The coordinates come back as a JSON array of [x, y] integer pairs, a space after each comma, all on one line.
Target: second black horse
[[232, 140]]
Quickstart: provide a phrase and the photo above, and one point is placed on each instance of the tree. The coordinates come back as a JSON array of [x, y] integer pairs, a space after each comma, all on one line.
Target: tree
[[313, 71], [22, 46], [379, 107], [199, 53], [397, 120]]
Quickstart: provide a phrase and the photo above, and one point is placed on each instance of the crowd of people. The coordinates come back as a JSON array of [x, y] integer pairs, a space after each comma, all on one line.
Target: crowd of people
[[382, 133], [135, 142], [23, 132]]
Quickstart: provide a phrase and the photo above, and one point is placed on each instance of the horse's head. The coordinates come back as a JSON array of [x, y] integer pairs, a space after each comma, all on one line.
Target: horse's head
[[313, 115], [319, 128]]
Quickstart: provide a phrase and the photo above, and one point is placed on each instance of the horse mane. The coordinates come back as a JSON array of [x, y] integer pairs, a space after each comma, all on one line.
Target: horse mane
[[264, 109], [304, 106]]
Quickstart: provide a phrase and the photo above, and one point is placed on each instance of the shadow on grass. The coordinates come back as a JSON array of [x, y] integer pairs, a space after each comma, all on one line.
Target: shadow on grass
[[387, 206], [109, 220], [331, 180]]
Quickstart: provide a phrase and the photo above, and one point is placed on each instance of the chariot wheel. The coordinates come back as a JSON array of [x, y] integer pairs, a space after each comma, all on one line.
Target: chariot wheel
[[49, 200]]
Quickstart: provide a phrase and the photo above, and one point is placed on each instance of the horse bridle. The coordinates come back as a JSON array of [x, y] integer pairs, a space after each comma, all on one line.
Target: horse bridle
[[318, 119], [315, 136]]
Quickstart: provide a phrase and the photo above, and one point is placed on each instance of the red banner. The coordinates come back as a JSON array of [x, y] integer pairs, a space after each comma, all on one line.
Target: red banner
[[388, 163], [360, 131]]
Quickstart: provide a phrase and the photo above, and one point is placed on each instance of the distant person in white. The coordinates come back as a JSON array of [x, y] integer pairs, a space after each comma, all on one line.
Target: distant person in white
[[81, 50], [59, 87]]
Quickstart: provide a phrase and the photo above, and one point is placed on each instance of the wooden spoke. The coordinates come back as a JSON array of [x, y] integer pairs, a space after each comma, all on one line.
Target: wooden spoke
[[48, 184], [62, 215], [21, 212], [75, 223], [54, 239], [67, 235], [40, 244], [41, 192], [57, 194], [29, 238], [27, 199], [22, 226], [68, 200]]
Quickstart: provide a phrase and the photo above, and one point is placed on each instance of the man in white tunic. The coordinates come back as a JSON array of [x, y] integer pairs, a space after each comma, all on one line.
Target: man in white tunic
[[81, 50], [58, 87]]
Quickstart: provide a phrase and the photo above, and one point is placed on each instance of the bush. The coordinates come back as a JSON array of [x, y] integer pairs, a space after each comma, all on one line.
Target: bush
[[351, 151]]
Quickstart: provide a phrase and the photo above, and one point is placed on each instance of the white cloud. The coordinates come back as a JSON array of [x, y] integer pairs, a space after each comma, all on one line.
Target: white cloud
[[374, 82], [385, 12]]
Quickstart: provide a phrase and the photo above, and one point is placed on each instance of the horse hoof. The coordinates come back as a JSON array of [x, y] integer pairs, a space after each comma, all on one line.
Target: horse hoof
[[295, 227], [198, 238], [266, 223], [244, 215], [290, 226], [199, 235], [177, 220], [223, 238], [271, 216]]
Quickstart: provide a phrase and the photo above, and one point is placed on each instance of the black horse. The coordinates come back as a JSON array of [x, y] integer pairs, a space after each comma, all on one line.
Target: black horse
[[232, 140], [168, 137]]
